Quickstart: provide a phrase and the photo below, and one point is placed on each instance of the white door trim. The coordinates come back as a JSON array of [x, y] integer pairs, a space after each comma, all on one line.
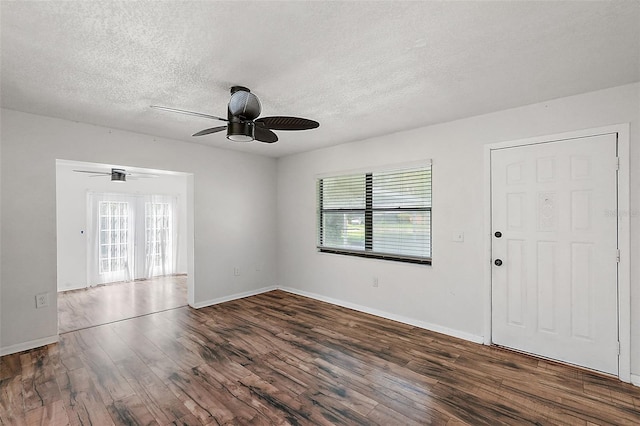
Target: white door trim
[[624, 213]]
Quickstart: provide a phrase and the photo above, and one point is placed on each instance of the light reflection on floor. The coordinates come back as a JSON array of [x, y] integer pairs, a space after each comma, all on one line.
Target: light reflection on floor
[[78, 309]]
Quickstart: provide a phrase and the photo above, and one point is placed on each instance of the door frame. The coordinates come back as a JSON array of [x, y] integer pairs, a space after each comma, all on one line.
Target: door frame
[[624, 213]]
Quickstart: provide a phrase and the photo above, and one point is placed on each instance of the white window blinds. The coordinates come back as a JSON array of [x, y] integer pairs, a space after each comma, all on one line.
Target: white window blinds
[[379, 214]]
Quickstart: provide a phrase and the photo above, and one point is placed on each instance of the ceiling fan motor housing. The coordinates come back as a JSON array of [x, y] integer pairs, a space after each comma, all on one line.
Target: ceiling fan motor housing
[[243, 104], [118, 175]]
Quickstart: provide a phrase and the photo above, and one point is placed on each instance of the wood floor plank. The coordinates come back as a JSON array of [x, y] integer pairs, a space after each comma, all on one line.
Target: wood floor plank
[[111, 343], [161, 402], [52, 414], [283, 359], [278, 377], [399, 398], [333, 410], [574, 403], [131, 411], [12, 400], [383, 415], [10, 366], [248, 397], [108, 380], [39, 381], [200, 399], [81, 399]]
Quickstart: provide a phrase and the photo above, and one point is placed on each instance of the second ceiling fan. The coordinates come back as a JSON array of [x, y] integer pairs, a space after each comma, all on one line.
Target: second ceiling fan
[[243, 124]]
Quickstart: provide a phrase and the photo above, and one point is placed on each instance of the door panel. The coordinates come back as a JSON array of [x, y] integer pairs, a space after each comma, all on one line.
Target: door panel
[[555, 293], [546, 282], [516, 292]]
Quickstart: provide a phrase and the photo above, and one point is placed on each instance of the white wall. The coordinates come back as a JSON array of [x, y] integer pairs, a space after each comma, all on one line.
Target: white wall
[[449, 295], [71, 214], [234, 205]]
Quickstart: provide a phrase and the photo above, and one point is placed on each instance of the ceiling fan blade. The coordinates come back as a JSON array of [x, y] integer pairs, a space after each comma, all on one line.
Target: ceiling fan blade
[[287, 123], [263, 134], [93, 172], [211, 130], [142, 175], [182, 111]]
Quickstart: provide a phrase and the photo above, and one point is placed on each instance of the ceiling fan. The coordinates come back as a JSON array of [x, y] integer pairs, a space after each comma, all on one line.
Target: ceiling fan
[[243, 124], [117, 175]]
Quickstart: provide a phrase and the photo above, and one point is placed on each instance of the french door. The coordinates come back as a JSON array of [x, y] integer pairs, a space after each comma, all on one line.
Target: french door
[[130, 237]]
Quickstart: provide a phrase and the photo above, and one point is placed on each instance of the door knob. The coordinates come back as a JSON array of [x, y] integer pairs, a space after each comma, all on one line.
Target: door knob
[[498, 262], [498, 234]]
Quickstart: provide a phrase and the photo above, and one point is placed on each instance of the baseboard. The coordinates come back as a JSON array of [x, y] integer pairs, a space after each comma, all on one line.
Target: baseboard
[[399, 318], [231, 297], [635, 380], [25, 346], [73, 288]]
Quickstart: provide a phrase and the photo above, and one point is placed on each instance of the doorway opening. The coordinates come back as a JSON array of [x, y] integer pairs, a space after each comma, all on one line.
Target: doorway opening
[[122, 243]]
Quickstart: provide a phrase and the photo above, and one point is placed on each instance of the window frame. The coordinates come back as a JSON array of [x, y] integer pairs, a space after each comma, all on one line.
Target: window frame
[[368, 211]]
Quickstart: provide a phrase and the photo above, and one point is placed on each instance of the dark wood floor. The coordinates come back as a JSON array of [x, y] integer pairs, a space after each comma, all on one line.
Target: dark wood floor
[[103, 304], [278, 358]]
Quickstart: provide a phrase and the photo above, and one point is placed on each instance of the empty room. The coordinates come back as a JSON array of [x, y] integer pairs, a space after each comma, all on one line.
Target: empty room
[[320, 213]]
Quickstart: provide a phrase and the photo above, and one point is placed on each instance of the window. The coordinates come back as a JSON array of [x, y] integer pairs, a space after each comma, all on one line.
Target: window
[[385, 214], [114, 217], [157, 233]]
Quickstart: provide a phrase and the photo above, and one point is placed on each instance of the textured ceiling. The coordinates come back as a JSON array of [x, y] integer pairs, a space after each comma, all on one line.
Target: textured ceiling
[[359, 68]]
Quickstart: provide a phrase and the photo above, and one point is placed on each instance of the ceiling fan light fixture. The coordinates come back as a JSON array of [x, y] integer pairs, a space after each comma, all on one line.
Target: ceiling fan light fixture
[[118, 175], [240, 131]]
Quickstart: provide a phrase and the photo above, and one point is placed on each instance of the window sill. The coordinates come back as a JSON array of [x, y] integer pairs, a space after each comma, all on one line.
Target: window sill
[[381, 256]]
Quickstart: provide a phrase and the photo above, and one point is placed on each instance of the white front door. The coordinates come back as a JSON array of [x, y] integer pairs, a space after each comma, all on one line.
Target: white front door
[[554, 248]]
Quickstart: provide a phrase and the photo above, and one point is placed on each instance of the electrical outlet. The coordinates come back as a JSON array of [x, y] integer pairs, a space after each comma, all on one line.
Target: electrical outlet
[[375, 281], [42, 300], [236, 271]]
